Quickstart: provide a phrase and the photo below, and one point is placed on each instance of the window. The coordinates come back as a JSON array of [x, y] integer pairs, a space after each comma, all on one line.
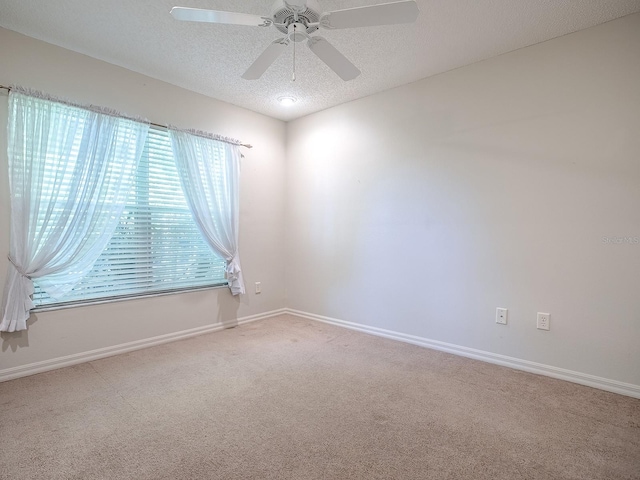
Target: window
[[157, 247]]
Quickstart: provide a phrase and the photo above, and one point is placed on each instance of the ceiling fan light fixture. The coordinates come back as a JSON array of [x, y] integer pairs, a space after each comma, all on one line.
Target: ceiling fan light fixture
[[287, 101]]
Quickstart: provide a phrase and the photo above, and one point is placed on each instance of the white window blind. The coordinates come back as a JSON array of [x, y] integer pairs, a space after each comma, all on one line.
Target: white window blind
[[157, 247]]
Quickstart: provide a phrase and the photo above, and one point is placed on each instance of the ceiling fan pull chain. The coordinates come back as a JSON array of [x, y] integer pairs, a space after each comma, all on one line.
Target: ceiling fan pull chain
[[293, 78]]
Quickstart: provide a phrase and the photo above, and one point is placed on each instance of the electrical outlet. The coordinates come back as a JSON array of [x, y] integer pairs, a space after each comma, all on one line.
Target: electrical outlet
[[258, 288], [501, 316], [543, 321]]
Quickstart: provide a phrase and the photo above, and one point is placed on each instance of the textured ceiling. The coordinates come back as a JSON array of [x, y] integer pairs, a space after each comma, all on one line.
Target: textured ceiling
[[141, 35]]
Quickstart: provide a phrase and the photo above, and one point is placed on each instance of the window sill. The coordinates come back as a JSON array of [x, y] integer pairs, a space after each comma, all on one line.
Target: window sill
[[121, 298]]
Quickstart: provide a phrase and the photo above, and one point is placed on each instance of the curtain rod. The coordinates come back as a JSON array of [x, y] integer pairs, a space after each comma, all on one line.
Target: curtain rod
[[246, 145]]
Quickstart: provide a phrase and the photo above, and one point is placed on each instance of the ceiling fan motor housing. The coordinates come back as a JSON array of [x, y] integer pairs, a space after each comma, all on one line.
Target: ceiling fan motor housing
[[283, 15]]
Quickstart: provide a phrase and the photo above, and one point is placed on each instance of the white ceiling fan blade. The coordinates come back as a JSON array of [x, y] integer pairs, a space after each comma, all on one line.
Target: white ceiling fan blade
[[215, 16], [373, 15], [333, 58], [264, 61]]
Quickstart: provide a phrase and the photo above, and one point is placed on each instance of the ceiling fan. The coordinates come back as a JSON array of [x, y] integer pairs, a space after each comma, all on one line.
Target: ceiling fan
[[298, 19]]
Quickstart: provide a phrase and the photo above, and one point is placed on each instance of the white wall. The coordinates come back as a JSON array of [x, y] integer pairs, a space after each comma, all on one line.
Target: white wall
[[423, 208], [31, 63], [417, 210]]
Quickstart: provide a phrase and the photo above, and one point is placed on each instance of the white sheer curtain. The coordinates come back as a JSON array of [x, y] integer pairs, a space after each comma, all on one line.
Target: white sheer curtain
[[209, 172], [70, 172]]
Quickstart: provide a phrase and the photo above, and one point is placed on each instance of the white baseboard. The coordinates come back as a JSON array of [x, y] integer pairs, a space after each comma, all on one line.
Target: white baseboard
[[60, 362], [512, 362]]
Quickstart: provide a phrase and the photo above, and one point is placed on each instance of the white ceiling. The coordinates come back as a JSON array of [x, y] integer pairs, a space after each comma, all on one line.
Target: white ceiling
[[141, 35]]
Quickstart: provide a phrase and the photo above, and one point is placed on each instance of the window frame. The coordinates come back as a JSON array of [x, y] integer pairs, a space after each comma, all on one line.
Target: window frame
[[79, 302]]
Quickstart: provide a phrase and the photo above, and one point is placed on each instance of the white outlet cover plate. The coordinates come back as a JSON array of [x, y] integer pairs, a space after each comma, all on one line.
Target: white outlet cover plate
[[543, 321], [501, 316]]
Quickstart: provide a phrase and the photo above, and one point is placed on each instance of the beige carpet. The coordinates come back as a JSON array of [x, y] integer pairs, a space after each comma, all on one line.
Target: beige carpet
[[287, 398]]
